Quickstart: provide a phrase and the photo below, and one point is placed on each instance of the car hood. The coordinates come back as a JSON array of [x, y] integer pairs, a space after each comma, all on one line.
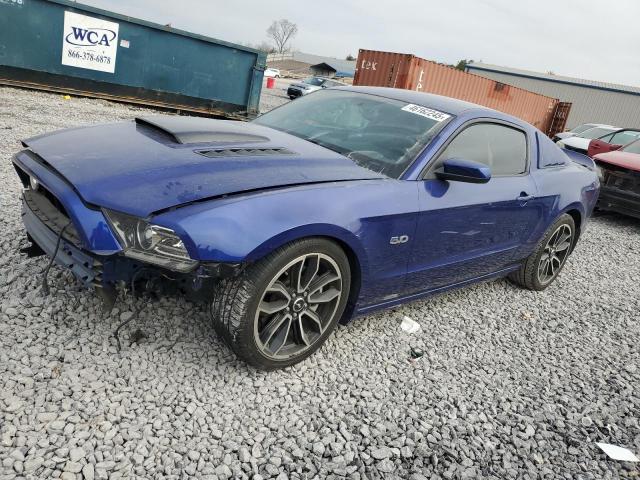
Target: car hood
[[563, 135], [627, 160], [577, 142], [306, 86], [160, 162]]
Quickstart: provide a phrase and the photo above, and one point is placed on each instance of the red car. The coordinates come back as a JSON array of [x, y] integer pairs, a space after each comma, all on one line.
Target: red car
[[619, 173], [613, 141]]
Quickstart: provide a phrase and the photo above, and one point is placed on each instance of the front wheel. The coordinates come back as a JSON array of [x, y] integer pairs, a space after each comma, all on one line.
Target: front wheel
[[542, 267], [283, 307]]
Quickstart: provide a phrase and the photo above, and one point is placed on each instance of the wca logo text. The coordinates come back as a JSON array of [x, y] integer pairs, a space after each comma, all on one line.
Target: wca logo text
[[84, 37]]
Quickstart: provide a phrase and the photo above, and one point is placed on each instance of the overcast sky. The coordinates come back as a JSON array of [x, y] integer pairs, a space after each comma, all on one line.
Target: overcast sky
[[581, 38]]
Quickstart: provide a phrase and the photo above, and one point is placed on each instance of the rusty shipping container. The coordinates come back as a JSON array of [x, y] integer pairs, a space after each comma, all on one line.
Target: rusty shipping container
[[406, 71]]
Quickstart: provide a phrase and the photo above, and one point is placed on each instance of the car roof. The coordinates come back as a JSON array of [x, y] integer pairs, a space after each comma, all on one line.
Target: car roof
[[449, 105], [603, 127]]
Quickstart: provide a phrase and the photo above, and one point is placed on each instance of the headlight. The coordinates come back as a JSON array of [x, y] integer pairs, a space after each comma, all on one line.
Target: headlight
[[560, 143], [150, 243]]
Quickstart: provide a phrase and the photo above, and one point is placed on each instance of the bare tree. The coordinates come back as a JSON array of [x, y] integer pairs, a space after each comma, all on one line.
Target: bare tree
[[281, 31], [263, 46]]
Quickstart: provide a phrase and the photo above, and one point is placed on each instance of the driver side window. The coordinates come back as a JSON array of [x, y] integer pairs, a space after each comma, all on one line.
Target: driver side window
[[502, 148]]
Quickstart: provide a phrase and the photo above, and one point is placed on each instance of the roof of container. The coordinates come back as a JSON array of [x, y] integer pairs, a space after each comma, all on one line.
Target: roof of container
[[449, 105], [555, 78]]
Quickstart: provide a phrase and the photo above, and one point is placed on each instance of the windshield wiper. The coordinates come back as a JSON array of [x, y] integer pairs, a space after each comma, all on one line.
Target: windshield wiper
[[333, 148]]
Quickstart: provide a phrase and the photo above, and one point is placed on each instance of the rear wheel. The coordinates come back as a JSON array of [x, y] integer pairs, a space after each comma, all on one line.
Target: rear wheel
[[282, 308], [542, 267]]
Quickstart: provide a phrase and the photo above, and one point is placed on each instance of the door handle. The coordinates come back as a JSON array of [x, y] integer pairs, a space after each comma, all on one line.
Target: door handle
[[524, 198]]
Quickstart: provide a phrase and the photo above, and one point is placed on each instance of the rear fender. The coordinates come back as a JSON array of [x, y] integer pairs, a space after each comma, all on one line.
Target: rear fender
[[580, 159]]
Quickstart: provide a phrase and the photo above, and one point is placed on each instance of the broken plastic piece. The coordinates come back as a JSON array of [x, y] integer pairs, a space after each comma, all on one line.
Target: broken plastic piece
[[618, 453], [409, 325]]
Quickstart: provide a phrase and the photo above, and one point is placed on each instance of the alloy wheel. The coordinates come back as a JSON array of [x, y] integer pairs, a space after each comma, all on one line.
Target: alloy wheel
[[298, 306], [555, 254]]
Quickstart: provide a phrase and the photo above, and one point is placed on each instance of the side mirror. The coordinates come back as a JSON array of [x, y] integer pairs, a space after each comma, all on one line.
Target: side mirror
[[616, 147], [460, 170]]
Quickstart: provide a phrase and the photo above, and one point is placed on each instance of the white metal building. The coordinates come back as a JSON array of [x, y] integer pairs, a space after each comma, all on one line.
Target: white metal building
[[593, 102]]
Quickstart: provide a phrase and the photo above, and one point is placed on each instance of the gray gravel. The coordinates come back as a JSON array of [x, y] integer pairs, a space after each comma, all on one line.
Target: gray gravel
[[274, 97], [513, 384]]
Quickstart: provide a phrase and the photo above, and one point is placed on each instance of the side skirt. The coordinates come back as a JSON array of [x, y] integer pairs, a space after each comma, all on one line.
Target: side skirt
[[417, 296]]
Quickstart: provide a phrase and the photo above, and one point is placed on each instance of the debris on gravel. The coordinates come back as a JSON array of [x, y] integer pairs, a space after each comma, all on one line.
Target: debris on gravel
[[512, 383]]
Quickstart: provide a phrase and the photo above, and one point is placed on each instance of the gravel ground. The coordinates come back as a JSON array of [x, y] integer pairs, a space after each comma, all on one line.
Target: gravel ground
[[274, 97], [513, 384]]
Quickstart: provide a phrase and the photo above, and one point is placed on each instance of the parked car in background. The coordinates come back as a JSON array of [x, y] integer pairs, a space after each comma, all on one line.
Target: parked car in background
[[311, 84], [619, 173], [580, 143], [338, 204], [272, 72], [578, 130], [612, 141]]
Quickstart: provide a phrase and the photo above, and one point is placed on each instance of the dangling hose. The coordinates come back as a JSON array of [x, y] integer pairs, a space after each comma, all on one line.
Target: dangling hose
[[45, 272]]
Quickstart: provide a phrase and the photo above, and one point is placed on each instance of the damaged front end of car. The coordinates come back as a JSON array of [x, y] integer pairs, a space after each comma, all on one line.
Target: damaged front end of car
[[620, 189], [104, 249]]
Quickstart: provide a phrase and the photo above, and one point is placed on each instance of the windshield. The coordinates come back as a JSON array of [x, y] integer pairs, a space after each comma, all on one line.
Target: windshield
[[377, 133], [582, 128], [316, 82], [632, 147], [596, 133]]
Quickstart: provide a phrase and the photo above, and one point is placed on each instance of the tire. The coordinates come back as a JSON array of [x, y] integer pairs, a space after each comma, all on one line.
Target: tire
[[533, 274], [267, 338]]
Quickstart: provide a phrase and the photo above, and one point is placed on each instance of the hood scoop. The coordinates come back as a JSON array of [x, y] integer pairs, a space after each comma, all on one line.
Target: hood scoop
[[244, 152], [186, 130]]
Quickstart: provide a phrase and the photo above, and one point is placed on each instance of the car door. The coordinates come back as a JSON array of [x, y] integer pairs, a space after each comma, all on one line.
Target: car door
[[469, 230]]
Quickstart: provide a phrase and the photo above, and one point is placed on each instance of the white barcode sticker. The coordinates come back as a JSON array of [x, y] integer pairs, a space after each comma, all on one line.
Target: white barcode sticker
[[426, 112]]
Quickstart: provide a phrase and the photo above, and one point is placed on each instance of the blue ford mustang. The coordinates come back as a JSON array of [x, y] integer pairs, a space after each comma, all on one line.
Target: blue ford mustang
[[337, 204]]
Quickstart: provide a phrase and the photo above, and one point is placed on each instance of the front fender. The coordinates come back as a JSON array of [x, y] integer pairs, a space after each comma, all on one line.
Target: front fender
[[246, 228], [362, 215], [306, 231]]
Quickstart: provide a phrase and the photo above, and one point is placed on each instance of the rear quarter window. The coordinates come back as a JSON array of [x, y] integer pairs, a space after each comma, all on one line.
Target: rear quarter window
[[549, 154]]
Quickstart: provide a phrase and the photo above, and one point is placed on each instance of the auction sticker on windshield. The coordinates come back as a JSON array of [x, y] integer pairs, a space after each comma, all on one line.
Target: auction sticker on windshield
[[89, 42], [426, 112]]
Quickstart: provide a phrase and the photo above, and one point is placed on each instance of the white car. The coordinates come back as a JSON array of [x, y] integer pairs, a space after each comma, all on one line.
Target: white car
[[578, 130], [580, 143], [272, 72], [311, 84]]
